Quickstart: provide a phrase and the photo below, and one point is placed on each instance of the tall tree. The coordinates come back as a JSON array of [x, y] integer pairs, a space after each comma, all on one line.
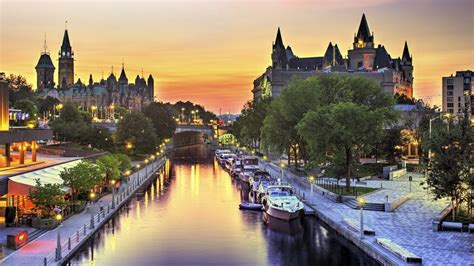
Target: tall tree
[[348, 120], [162, 118], [81, 178], [46, 197], [452, 147], [109, 165], [136, 134], [248, 126]]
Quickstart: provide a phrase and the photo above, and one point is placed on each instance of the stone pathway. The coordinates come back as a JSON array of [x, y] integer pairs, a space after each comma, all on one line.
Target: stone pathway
[[34, 252], [409, 225]]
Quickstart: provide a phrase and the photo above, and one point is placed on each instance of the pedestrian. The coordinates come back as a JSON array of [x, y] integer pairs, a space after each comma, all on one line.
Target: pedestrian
[[101, 206]]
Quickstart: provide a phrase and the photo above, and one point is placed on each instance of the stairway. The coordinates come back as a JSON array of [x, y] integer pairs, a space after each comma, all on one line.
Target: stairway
[[368, 206]]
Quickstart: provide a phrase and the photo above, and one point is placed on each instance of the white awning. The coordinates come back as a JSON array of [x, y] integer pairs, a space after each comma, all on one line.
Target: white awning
[[49, 175]]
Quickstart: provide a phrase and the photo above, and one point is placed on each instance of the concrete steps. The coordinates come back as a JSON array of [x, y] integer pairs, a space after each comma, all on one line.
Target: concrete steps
[[368, 206]]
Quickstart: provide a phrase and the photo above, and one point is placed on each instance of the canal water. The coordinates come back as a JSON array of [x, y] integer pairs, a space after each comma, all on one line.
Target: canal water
[[190, 216]]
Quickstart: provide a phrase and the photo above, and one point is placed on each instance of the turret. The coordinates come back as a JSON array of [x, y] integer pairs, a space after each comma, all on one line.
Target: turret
[[151, 87], [363, 38], [44, 71], [66, 63], [279, 58]]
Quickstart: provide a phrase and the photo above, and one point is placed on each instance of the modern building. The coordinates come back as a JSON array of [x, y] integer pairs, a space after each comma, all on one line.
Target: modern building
[[457, 93], [94, 96], [15, 142], [365, 59]]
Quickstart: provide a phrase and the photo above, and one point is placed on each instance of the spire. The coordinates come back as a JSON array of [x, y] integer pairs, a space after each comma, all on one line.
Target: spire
[[363, 34], [278, 39], [66, 44], [91, 81], [406, 53], [123, 76], [45, 46]]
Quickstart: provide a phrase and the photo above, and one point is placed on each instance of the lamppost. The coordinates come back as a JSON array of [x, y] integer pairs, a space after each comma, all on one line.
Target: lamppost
[[311, 181], [182, 115], [112, 183], [146, 168], [138, 171], [361, 202], [282, 166], [59, 256]]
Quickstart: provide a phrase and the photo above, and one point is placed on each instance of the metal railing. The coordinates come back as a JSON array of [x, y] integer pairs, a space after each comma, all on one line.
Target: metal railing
[[77, 238]]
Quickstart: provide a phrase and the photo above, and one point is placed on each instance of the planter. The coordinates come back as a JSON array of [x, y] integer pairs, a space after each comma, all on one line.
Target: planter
[[44, 223]]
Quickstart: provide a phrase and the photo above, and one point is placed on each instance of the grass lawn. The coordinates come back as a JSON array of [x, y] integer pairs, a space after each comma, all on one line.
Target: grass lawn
[[353, 190]]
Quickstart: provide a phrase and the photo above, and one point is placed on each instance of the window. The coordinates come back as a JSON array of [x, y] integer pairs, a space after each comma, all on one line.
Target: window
[[359, 64], [449, 99], [459, 104], [450, 87], [450, 111], [449, 81], [450, 93], [450, 105]]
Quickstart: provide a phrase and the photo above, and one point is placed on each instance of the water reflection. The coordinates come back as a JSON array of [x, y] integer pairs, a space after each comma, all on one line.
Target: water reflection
[[189, 216]]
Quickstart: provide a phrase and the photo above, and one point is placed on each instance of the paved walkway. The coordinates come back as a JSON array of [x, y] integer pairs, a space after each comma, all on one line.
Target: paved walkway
[[408, 226], [34, 252]]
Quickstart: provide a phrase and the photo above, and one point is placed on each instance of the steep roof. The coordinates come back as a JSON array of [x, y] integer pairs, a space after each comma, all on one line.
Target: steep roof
[[364, 33], [406, 53], [307, 63], [382, 58], [66, 44], [123, 76], [328, 55], [279, 40], [45, 62]]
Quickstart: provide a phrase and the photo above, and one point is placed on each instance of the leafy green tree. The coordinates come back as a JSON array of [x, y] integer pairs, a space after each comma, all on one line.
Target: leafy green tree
[[346, 119], [47, 105], [188, 106], [120, 112], [452, 147], [27, 105], [19, 89], [162, 118], [125, 162], [81, 178], [138, 131], [248, 126], [97, 138], [109, 165], [46, 197]]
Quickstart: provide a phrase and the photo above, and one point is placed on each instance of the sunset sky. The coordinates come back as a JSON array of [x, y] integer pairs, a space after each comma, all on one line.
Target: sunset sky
[[210, 52]]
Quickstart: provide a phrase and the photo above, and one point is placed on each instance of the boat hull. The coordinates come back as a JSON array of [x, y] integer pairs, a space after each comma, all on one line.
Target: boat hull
[[283, 215]]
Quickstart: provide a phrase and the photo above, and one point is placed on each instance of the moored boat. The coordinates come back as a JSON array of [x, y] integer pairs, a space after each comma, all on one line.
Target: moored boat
[[280, 202]]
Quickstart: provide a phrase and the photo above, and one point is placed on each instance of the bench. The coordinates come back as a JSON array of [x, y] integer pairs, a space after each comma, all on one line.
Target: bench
[[451, 225], [398, 250], [355, 225], [470, 227]]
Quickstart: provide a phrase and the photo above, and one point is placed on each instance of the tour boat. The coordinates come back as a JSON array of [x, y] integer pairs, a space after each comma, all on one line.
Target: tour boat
[[280, 202]]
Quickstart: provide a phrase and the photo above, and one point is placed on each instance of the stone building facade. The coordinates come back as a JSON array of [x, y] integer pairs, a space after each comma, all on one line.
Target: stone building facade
[[365, 59], [101, 95]]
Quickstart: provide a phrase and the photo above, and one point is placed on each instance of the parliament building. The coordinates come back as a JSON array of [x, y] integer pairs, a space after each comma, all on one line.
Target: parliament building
[[366, 59], [91, 95]]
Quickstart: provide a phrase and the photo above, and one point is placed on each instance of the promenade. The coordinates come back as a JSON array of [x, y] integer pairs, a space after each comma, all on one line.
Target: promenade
[[77, 226], [409, 226]]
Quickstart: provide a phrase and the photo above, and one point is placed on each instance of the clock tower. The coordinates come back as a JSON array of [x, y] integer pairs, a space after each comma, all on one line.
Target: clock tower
[[66, 63]]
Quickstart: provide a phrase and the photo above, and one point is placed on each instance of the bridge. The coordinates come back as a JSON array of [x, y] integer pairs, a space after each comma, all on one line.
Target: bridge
[[189, 135], [204, 129]]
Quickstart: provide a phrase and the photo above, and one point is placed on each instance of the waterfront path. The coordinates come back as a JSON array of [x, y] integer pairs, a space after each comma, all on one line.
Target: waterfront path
[[409, 226], [35, 252]]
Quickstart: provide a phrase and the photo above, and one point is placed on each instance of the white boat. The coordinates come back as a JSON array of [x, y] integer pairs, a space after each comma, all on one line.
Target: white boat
[[280, 202], [220, 151], [249, 165]]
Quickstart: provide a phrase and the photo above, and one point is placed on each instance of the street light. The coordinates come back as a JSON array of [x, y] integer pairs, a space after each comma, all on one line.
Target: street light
[[146, 168], [59, 256], [282, 166], [112, 182], [361, 202], [138, 171], [311, 181]]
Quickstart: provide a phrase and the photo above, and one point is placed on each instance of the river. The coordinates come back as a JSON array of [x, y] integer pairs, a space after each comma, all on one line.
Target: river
[[190, 216]]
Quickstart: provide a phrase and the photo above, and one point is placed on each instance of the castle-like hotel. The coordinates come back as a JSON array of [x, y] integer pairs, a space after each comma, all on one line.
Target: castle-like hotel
[[395, 75], [103, 94]]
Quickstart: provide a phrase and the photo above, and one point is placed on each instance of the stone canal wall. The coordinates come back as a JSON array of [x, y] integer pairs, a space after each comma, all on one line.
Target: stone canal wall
[[74, 242], [323, 212]]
